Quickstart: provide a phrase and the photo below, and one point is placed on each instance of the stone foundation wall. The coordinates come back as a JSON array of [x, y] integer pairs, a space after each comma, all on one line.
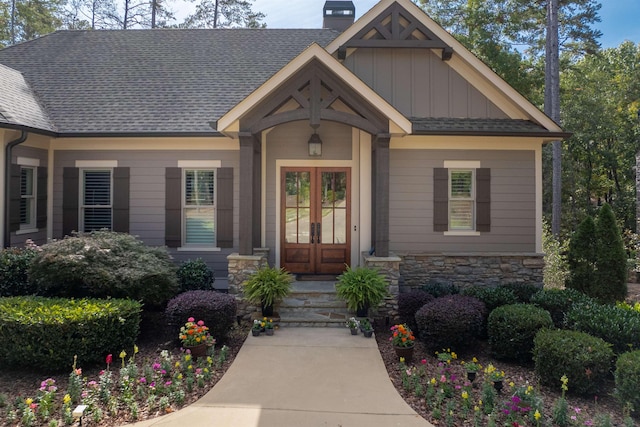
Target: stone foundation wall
[[240, 268], [389, 267], [464, 270]]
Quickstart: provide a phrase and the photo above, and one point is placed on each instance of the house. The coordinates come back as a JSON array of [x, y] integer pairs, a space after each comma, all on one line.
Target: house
[[380, 142]]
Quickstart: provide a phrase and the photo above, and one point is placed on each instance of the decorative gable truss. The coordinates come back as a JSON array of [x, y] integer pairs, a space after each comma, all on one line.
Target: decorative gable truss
[[396, 28]]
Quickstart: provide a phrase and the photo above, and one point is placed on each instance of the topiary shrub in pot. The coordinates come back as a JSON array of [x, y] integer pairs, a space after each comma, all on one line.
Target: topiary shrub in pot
[[195, 275], [267, 286], [409, 303], [512, 329], [584, 359], [627, 377], [216, 309], [362, 288], [453, 321]]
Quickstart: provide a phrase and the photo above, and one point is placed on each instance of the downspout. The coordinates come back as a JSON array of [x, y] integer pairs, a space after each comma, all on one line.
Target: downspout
[[7, 185]]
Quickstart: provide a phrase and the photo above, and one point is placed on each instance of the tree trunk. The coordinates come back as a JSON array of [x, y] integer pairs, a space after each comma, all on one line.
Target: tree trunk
[[215, 13], [154, 10], [13, 22], [552, 107]]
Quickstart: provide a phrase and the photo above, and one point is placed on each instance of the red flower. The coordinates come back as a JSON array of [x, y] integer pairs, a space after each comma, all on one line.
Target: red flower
[[109, 359]]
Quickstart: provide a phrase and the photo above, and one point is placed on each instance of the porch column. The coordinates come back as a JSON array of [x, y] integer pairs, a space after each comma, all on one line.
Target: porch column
[[249, 214], [381, 192]]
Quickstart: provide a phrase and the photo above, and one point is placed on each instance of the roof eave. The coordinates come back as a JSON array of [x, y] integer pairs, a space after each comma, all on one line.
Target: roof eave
[[548, 136]]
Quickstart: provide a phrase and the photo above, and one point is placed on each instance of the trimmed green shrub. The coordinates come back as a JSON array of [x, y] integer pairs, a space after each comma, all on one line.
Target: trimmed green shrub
[[14, 266], [522, 291], [361, 287], [104, 264], [582, 257], [439, 288], [409, 303], [627, 377], [611, 259], [585, 360], [195, 275], [615, 325], [218, 311], [512, 329], [558, 302], [452, 321], [46, 333], [492, 297]]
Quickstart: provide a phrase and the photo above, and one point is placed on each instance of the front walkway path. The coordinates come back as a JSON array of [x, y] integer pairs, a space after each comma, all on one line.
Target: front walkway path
[[301, 377]]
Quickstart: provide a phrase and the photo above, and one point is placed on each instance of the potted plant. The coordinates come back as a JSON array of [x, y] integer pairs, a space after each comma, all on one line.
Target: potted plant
[[194, 336], [268, 326], [403, 341], [366, 327], [256, 328], [496, 376], [353, 324], [361, 288], [267, 286], [472, 369]]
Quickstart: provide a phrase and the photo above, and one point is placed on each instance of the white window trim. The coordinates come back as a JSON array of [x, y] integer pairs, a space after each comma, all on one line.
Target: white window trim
[[81, 205], [28, 161], [98, 164], [30, 227], [463, 164], [198, 165]]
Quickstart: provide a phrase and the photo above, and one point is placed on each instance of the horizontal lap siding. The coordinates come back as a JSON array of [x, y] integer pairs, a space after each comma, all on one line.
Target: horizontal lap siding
[[512, 202]]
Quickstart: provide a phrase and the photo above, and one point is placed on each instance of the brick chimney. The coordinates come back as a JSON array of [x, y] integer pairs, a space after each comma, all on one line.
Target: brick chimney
[[338, 15]]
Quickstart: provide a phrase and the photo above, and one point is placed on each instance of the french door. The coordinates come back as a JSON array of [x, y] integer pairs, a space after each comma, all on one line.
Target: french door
[[315, 219]]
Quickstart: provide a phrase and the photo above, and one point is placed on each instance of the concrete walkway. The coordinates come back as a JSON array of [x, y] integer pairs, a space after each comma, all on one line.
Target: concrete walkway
[[301, 377]]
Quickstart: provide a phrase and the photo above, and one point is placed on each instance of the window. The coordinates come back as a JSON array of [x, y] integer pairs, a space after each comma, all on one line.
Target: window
[[199, 207], [27, 197], [96, 203], [461, 199]]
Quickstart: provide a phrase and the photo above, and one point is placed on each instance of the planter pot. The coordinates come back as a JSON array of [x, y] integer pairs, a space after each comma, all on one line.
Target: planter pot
[[471, 376], [354, 331], [267, 310], [368, 333], [198, 350], [406, 352], [255, 332], [269, 331], [498, 386]]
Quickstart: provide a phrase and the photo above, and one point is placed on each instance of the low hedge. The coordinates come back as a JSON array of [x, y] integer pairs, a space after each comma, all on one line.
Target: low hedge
[[558, 302], [627, 378], [584, 359], [615, 325], [45, 333], [522, 291], [453, 321], [512, 329], [14, 268], [217, 310], [492, 297]]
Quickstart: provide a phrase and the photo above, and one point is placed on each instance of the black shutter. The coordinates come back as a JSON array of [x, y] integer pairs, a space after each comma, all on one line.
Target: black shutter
[[440, 199], [173, 207], [14, 198], [224, 208], [121, 200], [483, 199], [70, 200], [41, 203]]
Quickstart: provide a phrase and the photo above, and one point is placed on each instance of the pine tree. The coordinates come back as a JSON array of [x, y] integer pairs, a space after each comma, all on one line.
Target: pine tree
[[582, 257], [611, 258]]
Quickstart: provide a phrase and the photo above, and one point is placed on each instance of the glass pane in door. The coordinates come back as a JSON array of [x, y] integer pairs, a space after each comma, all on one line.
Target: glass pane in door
[[334, 207], [297, 210]]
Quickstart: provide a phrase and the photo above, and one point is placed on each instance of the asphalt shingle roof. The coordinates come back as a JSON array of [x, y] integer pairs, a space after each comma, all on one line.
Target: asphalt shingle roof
[[471, 126], [18, 103], [151, 81]]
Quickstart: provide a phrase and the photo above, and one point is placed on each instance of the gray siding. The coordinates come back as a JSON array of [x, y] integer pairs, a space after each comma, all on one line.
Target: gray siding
[[512, 202], [39, 237], [147, 194], [419, 84], [289, 141]]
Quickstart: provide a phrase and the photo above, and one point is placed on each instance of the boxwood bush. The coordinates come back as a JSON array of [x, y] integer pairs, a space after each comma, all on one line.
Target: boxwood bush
[[558, 302], [217, 310], [584, 359], [409, 303], [617, 326], [492, 297], [627, 378], [522, 291], [452, 321], [104, 264], [512, 329], [14, 266], [194, 275], [46, 333], [439, 288]]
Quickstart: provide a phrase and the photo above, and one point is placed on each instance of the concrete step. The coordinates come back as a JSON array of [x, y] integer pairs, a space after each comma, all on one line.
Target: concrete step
[[313, 304]]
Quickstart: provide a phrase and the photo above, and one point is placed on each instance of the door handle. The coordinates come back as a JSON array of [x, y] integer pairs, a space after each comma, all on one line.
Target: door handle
[[318, 229], [313, 230]]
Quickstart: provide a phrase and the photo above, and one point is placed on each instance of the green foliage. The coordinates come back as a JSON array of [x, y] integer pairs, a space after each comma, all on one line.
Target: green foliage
[[558, 302], [522, 291], [611, 259], [584, 359], [439, 289], [224, 14], [46, 333], [627, 377], [104, 264], [195, 275], [556, 268], [267, 285], [492, 297], [14, 266], [582, 257], [616, 325], [512, 329], [361, 287]]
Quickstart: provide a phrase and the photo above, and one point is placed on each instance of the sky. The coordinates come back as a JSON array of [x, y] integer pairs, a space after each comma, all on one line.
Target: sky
[[620, 18]]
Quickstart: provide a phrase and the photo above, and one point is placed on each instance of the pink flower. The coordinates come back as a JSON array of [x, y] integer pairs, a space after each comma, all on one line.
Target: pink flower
[[200, 322], [577, 410], [109, 359], [443, 379], [191, 319], [423, 361]]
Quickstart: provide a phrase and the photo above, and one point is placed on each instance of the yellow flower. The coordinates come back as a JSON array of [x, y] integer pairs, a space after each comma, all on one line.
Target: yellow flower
[[66, 399], [135, 349], [209, 360], [402, 360], [511, 384], [474, 360], [529, 390], [453, 355], [465, 395], [537, 415], [433, 381], [179, 376], [476, 408], [187, 357], [28, 401], [177, 364], [480, 402], [205, 370], [190, 367], [123, 354]]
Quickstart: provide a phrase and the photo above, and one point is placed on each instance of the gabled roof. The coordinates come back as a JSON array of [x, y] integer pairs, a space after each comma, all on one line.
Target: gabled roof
[[19, 107], [165, 81]]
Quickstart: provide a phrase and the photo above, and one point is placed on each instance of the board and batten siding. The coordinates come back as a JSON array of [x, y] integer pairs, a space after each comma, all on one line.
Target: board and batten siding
[[147, 194], [419, 84], [513, 210]]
